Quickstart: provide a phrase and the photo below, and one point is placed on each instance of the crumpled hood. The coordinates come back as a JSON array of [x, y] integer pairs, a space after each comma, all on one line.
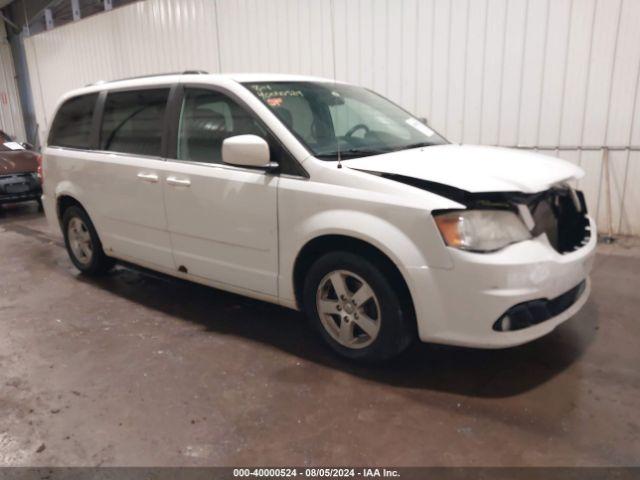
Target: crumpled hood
[[473, 168]]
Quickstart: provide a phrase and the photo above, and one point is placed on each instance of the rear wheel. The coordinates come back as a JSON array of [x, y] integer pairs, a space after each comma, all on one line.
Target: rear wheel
[[82, 242], [356, 309]]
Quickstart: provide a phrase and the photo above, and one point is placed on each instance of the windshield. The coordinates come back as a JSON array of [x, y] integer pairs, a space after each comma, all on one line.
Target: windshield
[[330, 118]]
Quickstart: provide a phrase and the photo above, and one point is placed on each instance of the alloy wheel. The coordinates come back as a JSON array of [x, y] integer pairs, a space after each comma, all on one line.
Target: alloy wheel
[[349, 309], [80, 240]]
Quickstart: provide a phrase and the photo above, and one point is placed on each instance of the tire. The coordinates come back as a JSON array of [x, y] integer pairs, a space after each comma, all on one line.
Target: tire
[[381, 327], [83, 244]]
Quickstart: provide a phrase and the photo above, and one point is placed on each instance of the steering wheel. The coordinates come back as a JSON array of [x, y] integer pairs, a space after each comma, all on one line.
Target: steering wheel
[[355, 128]]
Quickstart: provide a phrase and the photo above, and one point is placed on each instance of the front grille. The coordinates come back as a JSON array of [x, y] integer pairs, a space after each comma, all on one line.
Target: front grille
[[533, 312], [561, 213]]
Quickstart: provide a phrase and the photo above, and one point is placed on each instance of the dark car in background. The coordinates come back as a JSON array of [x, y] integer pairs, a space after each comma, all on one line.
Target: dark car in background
[[20, 172]]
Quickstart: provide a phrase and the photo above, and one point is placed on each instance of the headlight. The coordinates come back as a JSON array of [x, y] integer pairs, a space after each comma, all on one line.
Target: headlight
[[481, 230]]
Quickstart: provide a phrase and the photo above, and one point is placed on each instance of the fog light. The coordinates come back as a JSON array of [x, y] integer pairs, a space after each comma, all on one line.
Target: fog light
[[505, 323]]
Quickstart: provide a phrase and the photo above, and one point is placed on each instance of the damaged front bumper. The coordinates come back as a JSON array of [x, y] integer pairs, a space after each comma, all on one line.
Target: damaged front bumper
[[461, 305]]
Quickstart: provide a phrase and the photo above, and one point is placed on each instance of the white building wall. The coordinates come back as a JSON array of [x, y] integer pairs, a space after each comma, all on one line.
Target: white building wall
[[11, 120], [533, 73]]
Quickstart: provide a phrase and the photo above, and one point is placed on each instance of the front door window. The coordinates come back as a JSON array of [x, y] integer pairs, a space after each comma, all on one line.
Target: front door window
[[206, 119]]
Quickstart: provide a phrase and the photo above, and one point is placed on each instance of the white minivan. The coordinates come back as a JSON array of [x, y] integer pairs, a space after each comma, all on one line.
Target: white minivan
[[324, 197]]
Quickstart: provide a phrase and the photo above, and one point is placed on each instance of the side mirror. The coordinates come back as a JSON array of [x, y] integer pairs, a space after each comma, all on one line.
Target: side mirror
[[27, 145], [247, 151], [424, 120]]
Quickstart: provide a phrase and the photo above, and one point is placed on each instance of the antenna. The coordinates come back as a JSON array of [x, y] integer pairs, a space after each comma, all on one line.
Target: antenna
[[335, 134], [335, 82], [334, 122]]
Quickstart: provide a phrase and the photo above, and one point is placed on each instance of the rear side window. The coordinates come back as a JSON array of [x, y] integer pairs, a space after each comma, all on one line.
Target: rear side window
[[132, 122], [72, 125]]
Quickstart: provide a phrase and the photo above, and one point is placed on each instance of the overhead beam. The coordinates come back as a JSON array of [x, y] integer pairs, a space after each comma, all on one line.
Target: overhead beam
[[9, 22]]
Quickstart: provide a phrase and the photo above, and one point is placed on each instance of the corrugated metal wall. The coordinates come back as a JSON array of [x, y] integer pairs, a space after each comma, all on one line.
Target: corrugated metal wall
[[11, 120], [535, 73]]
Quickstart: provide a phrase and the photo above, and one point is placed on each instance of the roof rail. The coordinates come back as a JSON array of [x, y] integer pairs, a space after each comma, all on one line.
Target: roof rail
[[185, 72]]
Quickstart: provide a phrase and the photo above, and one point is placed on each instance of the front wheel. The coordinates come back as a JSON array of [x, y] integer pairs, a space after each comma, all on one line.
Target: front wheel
[[356, 309], [83, 244]]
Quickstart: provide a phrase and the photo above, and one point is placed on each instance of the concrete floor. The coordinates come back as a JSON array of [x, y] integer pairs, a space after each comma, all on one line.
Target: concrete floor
[[138, 370]]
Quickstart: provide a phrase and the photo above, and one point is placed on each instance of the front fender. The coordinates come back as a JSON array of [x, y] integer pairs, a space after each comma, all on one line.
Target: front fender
[[394, 242], [407, 247]]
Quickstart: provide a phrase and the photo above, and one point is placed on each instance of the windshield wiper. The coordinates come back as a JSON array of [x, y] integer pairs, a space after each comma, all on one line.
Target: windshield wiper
[[354, 152], [415, 145]]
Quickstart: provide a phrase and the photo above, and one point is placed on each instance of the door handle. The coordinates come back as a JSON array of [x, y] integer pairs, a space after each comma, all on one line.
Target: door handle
[[178, 182], [148, 177]]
